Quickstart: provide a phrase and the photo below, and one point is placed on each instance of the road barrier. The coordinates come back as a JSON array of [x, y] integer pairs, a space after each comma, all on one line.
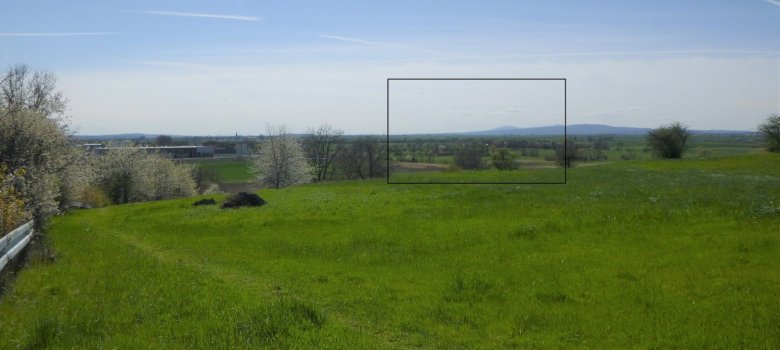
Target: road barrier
[[14, 242]]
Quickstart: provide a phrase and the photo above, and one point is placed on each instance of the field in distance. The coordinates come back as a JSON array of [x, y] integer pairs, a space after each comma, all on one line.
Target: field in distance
[[531, 158], [633, 254], [228, 171]]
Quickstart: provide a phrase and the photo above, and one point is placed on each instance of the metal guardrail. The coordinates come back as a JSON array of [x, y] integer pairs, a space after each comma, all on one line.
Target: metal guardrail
[[13, 243]]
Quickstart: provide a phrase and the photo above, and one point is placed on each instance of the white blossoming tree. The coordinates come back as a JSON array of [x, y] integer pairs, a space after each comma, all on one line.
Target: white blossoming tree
[[281, 161]]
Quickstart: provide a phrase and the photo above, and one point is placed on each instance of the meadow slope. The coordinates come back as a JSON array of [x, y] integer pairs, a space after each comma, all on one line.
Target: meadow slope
[[636, 254]]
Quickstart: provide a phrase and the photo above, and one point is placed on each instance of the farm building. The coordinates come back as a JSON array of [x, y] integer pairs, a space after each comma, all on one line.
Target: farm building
[[172, 151]]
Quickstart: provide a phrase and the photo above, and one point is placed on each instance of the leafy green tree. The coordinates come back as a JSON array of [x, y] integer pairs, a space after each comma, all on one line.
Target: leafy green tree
[[565, 156], [504, 159], [669, 141], [469, 156], [163, 140], [771, 131]]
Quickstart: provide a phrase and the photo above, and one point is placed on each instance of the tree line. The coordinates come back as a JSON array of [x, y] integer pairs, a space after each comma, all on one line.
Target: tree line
[[322, 154]]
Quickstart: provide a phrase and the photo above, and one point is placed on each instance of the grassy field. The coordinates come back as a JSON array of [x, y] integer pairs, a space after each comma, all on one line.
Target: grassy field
[[554, 175], [633, 254], [229, 170]]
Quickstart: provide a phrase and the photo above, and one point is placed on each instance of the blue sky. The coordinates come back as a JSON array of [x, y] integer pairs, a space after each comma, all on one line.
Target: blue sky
[[208, 67]]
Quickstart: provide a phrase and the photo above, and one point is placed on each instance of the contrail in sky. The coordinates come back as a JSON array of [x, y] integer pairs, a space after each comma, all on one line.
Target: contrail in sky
[[200, 15], [59, 34]]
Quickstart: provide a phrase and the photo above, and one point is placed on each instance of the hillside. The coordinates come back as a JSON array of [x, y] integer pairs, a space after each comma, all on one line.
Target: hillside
[[634, 254]]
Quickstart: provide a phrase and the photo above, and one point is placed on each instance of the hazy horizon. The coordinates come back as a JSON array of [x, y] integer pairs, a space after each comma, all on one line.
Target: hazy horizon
[[239, 134]]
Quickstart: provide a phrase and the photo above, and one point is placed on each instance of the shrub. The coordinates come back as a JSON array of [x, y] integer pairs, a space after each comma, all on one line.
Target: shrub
[[12, 213], [771, 131], [130, 175], [668, 141], [504, 159], [205, 177], [630, 155], [565, 157], [469, 156], [94, 197]]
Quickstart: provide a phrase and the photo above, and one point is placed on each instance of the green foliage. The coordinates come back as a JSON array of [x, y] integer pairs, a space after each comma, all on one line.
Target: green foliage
[[12, 212], [95, 197], [643, 254], [771, 131], [205, 176], [457, 175], [566, 154], [469, 156], [504, 159], [669, 141], [163, 140]]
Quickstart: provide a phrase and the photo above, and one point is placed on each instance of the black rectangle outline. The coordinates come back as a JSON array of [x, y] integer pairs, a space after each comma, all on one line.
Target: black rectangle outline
[[565, 137]]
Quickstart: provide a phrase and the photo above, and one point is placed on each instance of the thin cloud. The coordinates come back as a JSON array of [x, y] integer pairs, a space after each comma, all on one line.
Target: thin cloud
[[773, 2], [376, 43], [198, 15], [59, 34], [624, 53], [171, 64]]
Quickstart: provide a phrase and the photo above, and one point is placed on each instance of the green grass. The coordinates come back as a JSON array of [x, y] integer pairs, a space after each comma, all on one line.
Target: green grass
[[554, 175], [635, 254], [229, 170]]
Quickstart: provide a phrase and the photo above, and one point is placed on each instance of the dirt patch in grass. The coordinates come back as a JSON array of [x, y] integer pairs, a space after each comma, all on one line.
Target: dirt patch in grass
[[408, 166]]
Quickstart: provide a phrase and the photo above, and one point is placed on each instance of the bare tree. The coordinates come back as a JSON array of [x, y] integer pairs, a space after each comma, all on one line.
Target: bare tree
[[352, 162], [322, 146], [22, 90], [281, 161], [375, 157], [363, 158]]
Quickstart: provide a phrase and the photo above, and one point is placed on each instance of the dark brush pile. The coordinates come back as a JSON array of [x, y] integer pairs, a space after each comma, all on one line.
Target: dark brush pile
[[243, 199]]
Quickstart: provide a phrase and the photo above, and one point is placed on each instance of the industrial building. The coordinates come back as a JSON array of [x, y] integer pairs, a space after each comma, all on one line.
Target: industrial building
[[172, 151]]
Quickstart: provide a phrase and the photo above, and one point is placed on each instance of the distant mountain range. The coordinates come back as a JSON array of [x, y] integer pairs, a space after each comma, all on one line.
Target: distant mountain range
[[584, 129]]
